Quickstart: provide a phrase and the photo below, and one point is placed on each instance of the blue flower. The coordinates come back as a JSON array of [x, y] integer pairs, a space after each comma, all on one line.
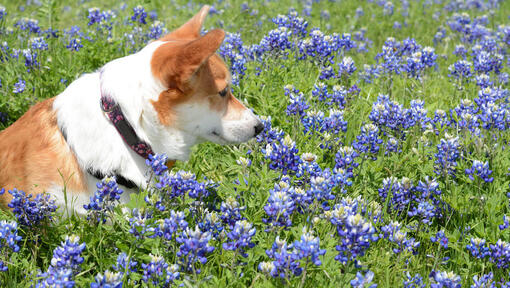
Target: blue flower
[[285, 262], [279, 206], [363, 281], [212, 224], [104, 200], [297, 102], [446, 157], [481, 170], [345, 158], [19, 87], [394, 234], [158, 273], [441, 239], [141, 224], [283, 155], [308, 247], [158, 163], [444, 279], [31, 212], [139, 15], [74, 44], [506, 223], [64, 265], [157, 29], [297, 25], [240, 238], [277, 42], [461, 70], [414, 282], [346, 67], [230, 211], [500, 254], [478, 248], [3, 13], [9, 239], [125, 264], [107, 280], [368, 140], [38, 43], [26, 24], [168, 227], [356, 234], [194, 247]]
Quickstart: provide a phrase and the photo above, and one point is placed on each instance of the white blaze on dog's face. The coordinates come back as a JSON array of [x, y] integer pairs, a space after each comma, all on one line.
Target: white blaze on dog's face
[[199, 101]]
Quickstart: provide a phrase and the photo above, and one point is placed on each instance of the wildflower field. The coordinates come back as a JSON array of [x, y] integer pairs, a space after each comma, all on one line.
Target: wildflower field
[[384, 161]]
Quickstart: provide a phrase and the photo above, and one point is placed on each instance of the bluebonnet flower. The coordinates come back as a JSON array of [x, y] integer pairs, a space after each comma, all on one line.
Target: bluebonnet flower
[[297, 25], [298, 104], [230, 211], [313, 122], [31, 212], [485, 281], [441, 239], [319, 47], [240, 238], [277, 42], [483, 81], [388, 8], [345, 158], [139, 15], [370, 72], [168, 227], [9, 239], [368, 140], [74, 44], [107, 280], [211, 223], [338, 96], [285, 262], [446, 156], [363, 281], [19, 86], [64, 265], [493, 116], [346, 67], [326, 73], [478, 248], [308, 166], [268, 135], [506, 223], [157, 29], [283, 155], [125, 264], [461, 70], [481, 170], [141, 224], [234, 52], [424, 210], [104, 200], [38, 43], [179, 184], [417, 114], [460, 50], [392, 145], [355, 236], [484, 62], [30, 58], [320, 92], [393, 233], [388, 114], [158, 273], [414, 282], [194, 246], [3, 13], [500, 254], [29, 25], [158, 163], [279, 206], [308, 247], [103, 19], [444, 279]]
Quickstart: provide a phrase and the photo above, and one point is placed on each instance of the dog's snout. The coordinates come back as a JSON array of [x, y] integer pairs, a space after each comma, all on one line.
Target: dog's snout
[[258, 128]]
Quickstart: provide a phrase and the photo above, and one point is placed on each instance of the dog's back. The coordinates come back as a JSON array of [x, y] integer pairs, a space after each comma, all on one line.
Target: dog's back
[[34, 155]]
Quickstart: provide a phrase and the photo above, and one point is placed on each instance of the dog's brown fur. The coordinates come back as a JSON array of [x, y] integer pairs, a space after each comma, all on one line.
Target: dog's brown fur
[[34, 154]]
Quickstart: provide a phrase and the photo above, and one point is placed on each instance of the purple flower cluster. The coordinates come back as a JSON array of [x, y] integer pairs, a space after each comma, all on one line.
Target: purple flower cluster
[[279, 206], [448, 152], [240, 238], [64, 265], [194, 246], [158, 273], [441, 279], [481, 170], [104, 200], [139, 15], [283, 155], [31, 212], [9, 239]]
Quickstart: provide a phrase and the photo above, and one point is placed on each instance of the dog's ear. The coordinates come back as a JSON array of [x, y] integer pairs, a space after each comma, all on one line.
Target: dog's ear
[[191, 29], [175, 64]]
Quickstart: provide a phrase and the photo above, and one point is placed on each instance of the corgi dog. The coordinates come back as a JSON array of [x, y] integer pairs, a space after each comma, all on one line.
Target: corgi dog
[[169, 96]]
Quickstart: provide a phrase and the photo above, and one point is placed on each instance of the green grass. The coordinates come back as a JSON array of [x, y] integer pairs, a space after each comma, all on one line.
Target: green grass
[[476, 210]]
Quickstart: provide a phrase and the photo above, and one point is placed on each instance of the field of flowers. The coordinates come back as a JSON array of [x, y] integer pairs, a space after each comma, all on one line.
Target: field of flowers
[[384, 160]]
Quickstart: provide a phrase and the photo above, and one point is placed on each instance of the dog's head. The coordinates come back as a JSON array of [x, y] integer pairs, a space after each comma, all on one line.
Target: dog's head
[[198, 99]]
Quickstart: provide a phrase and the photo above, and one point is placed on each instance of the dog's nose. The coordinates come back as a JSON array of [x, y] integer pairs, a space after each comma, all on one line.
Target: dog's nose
[[259, 128]]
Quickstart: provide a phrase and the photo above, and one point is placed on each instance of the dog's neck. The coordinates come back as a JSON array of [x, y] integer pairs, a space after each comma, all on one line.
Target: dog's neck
[[92, 137]]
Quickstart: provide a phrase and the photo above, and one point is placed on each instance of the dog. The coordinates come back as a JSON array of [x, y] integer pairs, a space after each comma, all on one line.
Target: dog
[[169, 96]]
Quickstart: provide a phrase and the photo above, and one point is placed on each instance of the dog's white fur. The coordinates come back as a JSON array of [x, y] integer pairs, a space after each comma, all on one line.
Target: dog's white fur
[[97, 144]]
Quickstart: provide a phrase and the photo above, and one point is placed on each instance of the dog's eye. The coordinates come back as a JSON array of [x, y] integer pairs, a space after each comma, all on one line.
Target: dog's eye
[[223, 92]]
